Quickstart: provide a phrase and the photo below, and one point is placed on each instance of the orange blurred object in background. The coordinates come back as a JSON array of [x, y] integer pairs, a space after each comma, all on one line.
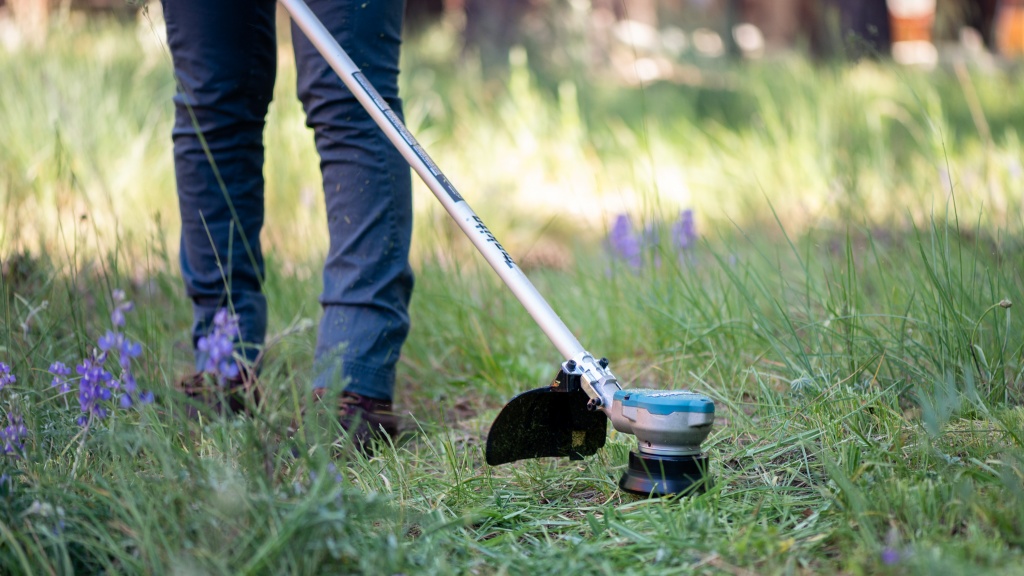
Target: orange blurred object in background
[[911, 20], [1010, 28]]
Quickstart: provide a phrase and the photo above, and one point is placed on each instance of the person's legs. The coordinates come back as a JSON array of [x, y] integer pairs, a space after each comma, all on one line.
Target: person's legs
[[225, 58], [367, 183]]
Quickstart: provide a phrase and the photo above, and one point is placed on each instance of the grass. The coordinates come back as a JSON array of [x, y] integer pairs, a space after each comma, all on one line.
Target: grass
[[843, 310]]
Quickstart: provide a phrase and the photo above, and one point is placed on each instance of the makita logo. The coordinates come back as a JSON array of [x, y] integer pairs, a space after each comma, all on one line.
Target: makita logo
[[490, 238]]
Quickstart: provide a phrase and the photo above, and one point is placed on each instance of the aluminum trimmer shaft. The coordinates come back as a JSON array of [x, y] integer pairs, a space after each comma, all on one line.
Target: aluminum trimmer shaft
[[567, 418]]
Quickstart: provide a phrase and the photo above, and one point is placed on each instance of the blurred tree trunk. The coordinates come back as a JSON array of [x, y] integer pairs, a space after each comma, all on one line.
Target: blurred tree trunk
[[492, 28], [783, 23], [778, 21], [864, 28], [828, 27], [495, 26], [981, 15], [643, 11], [420, 14]]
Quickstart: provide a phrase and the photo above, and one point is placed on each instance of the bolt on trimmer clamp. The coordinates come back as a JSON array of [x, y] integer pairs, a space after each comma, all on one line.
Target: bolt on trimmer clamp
[[567, 418]]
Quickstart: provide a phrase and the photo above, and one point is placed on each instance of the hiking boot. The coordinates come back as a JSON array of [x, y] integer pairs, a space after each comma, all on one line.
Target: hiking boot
[[237, 396], [365, 419]]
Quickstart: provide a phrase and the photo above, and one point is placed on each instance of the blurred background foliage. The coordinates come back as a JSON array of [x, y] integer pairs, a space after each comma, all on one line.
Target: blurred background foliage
[[565, 112]]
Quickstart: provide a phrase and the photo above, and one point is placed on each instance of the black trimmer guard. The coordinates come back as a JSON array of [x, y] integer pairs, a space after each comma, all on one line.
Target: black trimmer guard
[[546, 422]]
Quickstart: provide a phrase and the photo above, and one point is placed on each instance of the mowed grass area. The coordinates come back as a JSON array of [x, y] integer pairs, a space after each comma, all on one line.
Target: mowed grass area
[[851, 307]]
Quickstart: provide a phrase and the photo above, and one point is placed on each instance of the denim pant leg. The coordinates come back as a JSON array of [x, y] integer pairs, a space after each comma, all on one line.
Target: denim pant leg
[[367, 280], [225, 55]]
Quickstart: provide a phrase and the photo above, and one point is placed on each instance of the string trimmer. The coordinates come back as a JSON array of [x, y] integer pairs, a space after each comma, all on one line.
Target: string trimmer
[[568, 417]]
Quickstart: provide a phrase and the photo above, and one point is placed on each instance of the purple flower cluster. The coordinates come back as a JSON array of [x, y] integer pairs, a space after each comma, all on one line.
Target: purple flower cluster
[[94, 387], [218, 347], [126, 350], [6, 376], [13, 435], [60, 377], [627, 243], [120, 307], [684, 231], [97, 386]]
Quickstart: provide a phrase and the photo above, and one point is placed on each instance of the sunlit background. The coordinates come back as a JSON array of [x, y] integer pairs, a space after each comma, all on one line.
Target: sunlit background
[[553, 118]]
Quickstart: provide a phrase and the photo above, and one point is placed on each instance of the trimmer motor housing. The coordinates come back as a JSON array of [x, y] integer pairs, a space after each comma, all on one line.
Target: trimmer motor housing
[[665, 422], [669, 426]]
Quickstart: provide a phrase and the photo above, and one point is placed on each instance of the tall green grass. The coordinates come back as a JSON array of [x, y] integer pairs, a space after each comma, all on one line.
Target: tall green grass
[[850, 308]]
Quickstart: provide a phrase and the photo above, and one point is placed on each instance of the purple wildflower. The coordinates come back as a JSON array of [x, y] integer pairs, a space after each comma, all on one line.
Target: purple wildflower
[[125, 348], [120, 307], [128, 383], [109, 341], [129, 389], [218, 346], [890, 556], [132, 394], [684, 232], [6, 376], [60, 377], [93, 388], [624, 241], [128, 350], [115, 342], [13, 435], [98, 386]]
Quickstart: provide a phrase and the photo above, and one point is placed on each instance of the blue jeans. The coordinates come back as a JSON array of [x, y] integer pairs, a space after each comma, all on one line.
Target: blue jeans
[[225, 54]]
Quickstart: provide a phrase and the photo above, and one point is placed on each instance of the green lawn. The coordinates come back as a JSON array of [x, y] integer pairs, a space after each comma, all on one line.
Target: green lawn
[[849, 307]]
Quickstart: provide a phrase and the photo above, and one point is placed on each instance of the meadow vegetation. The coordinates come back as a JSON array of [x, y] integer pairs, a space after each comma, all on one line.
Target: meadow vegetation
[[849, 306]]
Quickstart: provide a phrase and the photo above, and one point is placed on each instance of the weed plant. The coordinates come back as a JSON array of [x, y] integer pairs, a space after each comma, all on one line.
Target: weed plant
[[844, 289]]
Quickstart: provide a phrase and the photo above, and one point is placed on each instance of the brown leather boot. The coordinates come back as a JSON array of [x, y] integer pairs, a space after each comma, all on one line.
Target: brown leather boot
[[237, 396], [365, 419]]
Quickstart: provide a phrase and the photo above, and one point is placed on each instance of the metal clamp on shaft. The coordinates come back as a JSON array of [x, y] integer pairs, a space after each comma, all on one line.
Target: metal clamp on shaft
[[596, 380]]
